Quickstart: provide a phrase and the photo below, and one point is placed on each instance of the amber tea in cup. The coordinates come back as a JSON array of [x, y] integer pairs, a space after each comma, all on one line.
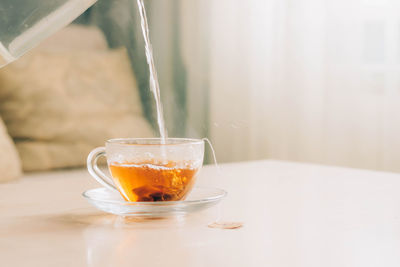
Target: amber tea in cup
[[149, 169]]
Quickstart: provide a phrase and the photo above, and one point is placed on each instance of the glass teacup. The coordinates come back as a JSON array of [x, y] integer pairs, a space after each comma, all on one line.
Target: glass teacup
[[149, 169]]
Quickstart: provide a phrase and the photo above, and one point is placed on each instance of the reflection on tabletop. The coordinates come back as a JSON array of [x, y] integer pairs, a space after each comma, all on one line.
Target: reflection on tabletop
[[115, 241]]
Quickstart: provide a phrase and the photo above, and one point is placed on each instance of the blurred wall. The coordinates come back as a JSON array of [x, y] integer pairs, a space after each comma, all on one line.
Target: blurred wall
[[304, 80]]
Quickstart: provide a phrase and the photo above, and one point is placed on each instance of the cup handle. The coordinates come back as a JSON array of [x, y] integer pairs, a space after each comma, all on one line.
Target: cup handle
[[95, 171]]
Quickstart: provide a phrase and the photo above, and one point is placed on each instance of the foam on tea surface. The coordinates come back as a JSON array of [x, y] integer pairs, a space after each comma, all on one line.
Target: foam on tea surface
[[154, 181]]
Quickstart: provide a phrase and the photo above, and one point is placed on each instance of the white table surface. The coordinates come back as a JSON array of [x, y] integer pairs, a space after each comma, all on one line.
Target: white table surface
[[293, 214]]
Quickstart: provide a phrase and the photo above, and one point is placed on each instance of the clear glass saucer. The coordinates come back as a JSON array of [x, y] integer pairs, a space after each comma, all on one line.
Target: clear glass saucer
[[111, 201]]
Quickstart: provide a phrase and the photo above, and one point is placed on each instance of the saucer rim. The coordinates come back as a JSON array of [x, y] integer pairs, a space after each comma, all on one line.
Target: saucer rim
[[222, 195]]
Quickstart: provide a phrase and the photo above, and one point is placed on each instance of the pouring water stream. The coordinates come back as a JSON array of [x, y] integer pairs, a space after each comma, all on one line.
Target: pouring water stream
[[154, 85]]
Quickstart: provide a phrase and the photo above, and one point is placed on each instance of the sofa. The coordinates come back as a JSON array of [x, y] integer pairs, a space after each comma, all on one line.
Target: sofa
[[65, 98]]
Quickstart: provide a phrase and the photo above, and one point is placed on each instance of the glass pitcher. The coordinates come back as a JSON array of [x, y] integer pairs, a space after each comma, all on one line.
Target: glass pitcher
[[25, 23]]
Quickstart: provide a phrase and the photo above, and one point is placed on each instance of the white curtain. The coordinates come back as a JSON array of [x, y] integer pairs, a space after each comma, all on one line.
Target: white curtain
[[304, 80]]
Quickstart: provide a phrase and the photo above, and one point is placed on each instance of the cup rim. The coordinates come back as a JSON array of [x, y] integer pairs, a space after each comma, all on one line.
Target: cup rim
[[179, 141]]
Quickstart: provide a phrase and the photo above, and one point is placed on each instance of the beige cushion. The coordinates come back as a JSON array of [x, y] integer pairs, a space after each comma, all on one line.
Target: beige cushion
[[10, 164], [75, 37], [59, 106]]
